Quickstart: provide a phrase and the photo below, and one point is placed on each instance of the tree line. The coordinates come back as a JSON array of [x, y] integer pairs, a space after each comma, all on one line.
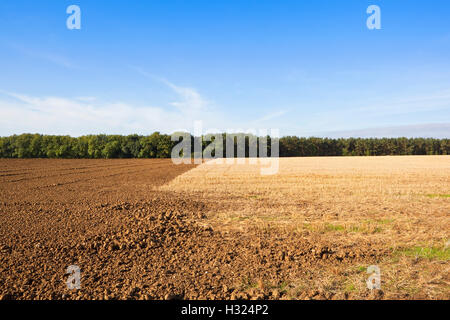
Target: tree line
[[159, 145]]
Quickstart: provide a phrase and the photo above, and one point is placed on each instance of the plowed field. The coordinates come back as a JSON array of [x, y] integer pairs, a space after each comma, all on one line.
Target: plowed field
[[148, 229]]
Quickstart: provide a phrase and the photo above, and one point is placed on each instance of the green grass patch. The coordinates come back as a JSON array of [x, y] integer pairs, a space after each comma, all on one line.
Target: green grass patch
[[350, 287], [385, 221], [283, 286], [362, 269], [377, 230], [438, 253], [269, 218], [239, 218], [356, 229], [332, 227], [438, 195], [248, 282]]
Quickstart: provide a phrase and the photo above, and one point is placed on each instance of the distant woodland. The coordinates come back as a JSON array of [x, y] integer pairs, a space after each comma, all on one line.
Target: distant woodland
[[159, 145]]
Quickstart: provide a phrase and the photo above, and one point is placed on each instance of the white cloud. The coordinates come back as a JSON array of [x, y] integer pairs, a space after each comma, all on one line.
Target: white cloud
[[349, 116], [51, 57], [55, 115], [88, 115], [191, 99], [425, 130], [271, 116]]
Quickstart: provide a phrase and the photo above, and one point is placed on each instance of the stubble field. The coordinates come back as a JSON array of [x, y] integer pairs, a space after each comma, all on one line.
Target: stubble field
[[147, 229]]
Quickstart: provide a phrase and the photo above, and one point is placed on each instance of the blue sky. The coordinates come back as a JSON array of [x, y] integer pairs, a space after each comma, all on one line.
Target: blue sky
[[303, 67]]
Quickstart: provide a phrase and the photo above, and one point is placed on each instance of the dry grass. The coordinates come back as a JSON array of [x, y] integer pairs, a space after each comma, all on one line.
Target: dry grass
[[397, 203], [395, 198]]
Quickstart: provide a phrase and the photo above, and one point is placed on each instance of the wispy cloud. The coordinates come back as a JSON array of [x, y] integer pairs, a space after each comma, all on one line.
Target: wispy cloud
[[429, 102], [418, 103], [89, 115], [57, 115], [424, 130], [190, 99], [382, 113], [84, 115], [51, 57], [271, 116]]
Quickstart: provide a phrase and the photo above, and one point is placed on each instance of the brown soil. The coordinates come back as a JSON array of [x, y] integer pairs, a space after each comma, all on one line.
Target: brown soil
[[135, 238]]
